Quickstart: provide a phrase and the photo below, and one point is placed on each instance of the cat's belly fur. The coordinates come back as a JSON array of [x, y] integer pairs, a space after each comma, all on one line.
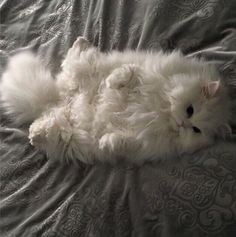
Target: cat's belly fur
[[114, 110], [119, 122]]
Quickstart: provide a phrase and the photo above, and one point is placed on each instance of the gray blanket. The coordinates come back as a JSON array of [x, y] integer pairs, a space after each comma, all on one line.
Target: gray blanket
[[187, 196]]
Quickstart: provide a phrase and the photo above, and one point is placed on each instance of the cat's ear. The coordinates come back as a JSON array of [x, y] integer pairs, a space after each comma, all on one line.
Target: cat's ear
[[224, 131], [210, 89]]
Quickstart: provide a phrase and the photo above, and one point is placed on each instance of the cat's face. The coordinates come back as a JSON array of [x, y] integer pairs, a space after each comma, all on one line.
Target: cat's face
[[199, 112]]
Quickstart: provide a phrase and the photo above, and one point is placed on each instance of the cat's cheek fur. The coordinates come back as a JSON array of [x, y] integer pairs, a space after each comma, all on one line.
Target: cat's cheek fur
[[190, 142]]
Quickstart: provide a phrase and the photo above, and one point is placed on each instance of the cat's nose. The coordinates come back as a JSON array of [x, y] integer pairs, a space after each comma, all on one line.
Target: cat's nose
[[179, 123], [184, 124]]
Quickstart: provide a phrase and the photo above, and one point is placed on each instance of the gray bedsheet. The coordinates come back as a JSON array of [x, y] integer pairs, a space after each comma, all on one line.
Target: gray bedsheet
[[187, 196]]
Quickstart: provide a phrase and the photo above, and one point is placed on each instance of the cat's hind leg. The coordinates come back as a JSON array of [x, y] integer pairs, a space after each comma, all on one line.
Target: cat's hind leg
[[81, 44], [51, 131], [74, 53], [54, 134], [77, 67]]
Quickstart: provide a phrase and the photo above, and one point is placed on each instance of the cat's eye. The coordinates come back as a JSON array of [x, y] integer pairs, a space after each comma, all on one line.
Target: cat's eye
[[190, 111], [196, 130]]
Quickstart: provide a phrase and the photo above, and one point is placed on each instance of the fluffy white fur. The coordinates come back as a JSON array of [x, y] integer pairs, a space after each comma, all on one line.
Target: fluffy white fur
[[120, 104]]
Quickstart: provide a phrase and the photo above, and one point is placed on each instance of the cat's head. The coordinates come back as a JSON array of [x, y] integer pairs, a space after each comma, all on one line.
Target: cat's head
[[200, 111]]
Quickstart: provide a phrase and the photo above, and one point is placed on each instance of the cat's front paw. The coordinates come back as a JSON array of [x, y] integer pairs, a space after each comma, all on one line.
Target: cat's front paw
[[38, 133], [125, 76]]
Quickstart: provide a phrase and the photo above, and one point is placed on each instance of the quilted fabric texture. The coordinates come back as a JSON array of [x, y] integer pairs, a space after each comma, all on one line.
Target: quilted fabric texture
[[187, 196]]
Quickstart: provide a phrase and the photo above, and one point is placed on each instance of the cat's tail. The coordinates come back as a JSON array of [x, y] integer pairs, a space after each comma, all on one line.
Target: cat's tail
[[26, 89]]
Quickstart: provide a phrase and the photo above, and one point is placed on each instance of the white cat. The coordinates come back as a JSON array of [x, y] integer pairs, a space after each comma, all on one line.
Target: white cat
[[104, 106]]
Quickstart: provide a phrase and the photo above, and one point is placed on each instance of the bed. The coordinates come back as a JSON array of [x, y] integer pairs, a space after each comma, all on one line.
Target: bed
[[191, 195]]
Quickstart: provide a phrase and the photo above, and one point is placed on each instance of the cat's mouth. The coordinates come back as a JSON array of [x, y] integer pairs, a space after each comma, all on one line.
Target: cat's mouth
[[175, 126]]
